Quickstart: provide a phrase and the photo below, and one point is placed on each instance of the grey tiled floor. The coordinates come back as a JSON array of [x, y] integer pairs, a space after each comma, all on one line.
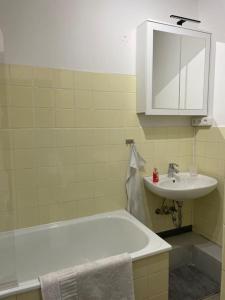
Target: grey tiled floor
[[215, 297], [187, 282]]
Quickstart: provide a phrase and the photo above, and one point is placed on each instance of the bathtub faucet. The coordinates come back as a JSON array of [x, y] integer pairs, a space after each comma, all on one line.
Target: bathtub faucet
[[173, 168]]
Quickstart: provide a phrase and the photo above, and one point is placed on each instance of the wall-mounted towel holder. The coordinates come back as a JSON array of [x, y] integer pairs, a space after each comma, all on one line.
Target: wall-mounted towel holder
[[129, 141]]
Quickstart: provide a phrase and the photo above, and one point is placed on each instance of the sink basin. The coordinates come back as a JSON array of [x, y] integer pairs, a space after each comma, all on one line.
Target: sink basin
[[181, 187]]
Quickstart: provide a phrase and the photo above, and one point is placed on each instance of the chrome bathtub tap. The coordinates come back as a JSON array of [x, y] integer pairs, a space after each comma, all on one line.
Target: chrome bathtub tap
[[172, 170]]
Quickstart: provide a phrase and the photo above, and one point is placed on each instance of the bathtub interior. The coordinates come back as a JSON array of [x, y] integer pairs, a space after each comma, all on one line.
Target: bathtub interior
[[8, 276], [46, 250], [51, 247]]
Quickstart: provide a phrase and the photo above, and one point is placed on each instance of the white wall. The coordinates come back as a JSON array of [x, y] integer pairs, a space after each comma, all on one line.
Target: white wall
[[212, 15], [94, 35]]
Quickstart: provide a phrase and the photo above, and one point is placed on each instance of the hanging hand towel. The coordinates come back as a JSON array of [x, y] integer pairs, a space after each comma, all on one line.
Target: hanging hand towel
[[109, 278], [134, 186]]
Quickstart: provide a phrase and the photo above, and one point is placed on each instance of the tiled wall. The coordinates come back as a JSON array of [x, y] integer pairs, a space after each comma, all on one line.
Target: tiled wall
[[150, 280], [62, 145], [63, 152], [208, 211]]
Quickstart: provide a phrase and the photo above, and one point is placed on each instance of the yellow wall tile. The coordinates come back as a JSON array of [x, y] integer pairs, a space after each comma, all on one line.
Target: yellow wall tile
[[84, 118], [131, 119], [27, 217], [46, 157], [141, 288], [72, 128], [21, 96], [129, 101], [66, 137], [69, 174], [83, 99], [64, 118], [83, 80], [43, 77], [100, 171], [64, 98], [108, 100], [5, 177], [62, 211], [26, 197], [45, 137], [7, 221], [4, 95], [66, 156], [47, 195], [210, 161], [44, 117], [100, 81], [6, 139], [158, 283], [25, 177], [10, 298], [85, 137], [84, 172], [23, 138], [222, 295], [63, 79], [163, 296], [21, 117], [33, 295], [100, 136], [126, 83], [86, 207], [48, 176], [4, 74], [24, 158], [44, 97], [21, 75], [5, 116]]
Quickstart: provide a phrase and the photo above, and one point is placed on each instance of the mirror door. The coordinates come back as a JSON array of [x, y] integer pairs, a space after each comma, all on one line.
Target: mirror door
[[166, 70], [192, 72], [178, 71]]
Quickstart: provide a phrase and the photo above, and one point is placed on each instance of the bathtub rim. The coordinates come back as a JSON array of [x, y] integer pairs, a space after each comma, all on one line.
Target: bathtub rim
[[34, 284]]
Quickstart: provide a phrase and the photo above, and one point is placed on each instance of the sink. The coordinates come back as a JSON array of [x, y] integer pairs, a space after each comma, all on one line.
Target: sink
[[182, 186]]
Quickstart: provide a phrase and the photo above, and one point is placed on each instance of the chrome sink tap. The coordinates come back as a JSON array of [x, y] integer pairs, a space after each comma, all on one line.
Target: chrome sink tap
[[172, 170]]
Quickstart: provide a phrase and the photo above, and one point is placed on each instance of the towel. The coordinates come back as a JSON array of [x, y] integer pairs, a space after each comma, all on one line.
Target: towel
[[106, 279], [134, 186]]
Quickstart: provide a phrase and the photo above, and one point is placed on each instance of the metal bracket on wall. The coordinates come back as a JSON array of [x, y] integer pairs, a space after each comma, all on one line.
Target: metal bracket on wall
[[129, 141]]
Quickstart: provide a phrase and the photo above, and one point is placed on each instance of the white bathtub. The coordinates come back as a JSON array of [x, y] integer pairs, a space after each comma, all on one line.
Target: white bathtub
[[46, 248]]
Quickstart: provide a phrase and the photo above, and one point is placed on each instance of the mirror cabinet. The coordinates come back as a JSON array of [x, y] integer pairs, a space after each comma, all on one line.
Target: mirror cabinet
[[172, 70]]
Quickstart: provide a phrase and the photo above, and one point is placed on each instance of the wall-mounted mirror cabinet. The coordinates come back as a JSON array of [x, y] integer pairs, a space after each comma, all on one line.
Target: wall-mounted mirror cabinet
[[172, 70]]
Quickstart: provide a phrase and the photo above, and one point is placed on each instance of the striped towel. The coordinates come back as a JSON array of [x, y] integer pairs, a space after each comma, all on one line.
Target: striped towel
[[109, 278]]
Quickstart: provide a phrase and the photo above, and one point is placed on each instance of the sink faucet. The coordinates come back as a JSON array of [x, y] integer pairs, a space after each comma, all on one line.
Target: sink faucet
[[173, 168]]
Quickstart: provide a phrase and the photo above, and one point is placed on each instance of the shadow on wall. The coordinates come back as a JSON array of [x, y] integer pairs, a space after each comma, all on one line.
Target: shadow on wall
[[7, 202], [210, 158], [7, 220], [161, 146], [164, 145]]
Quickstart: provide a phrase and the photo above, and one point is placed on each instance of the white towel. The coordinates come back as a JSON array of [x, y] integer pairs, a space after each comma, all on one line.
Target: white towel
[[106, 279], [134, 186]]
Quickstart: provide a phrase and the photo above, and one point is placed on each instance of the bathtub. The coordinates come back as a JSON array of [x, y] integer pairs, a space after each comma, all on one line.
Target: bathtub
[[46, 248]]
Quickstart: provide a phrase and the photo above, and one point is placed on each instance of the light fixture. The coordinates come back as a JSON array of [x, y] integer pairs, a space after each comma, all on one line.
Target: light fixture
[[182, 20]]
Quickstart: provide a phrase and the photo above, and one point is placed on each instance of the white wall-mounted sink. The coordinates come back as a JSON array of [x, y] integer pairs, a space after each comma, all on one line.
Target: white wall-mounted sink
[[181, 187]]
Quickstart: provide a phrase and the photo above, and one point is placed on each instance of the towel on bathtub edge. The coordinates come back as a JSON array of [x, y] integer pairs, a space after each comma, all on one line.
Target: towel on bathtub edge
[[110, 278]]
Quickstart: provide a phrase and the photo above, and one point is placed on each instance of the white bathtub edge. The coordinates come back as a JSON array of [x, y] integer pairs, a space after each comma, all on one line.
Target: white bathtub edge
[[143, 253]]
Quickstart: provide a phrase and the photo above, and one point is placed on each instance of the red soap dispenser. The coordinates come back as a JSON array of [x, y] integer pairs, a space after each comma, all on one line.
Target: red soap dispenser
[[155, 175]]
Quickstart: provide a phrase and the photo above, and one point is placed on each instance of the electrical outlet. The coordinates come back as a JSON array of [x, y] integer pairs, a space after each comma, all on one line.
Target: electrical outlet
[[202, 122]]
